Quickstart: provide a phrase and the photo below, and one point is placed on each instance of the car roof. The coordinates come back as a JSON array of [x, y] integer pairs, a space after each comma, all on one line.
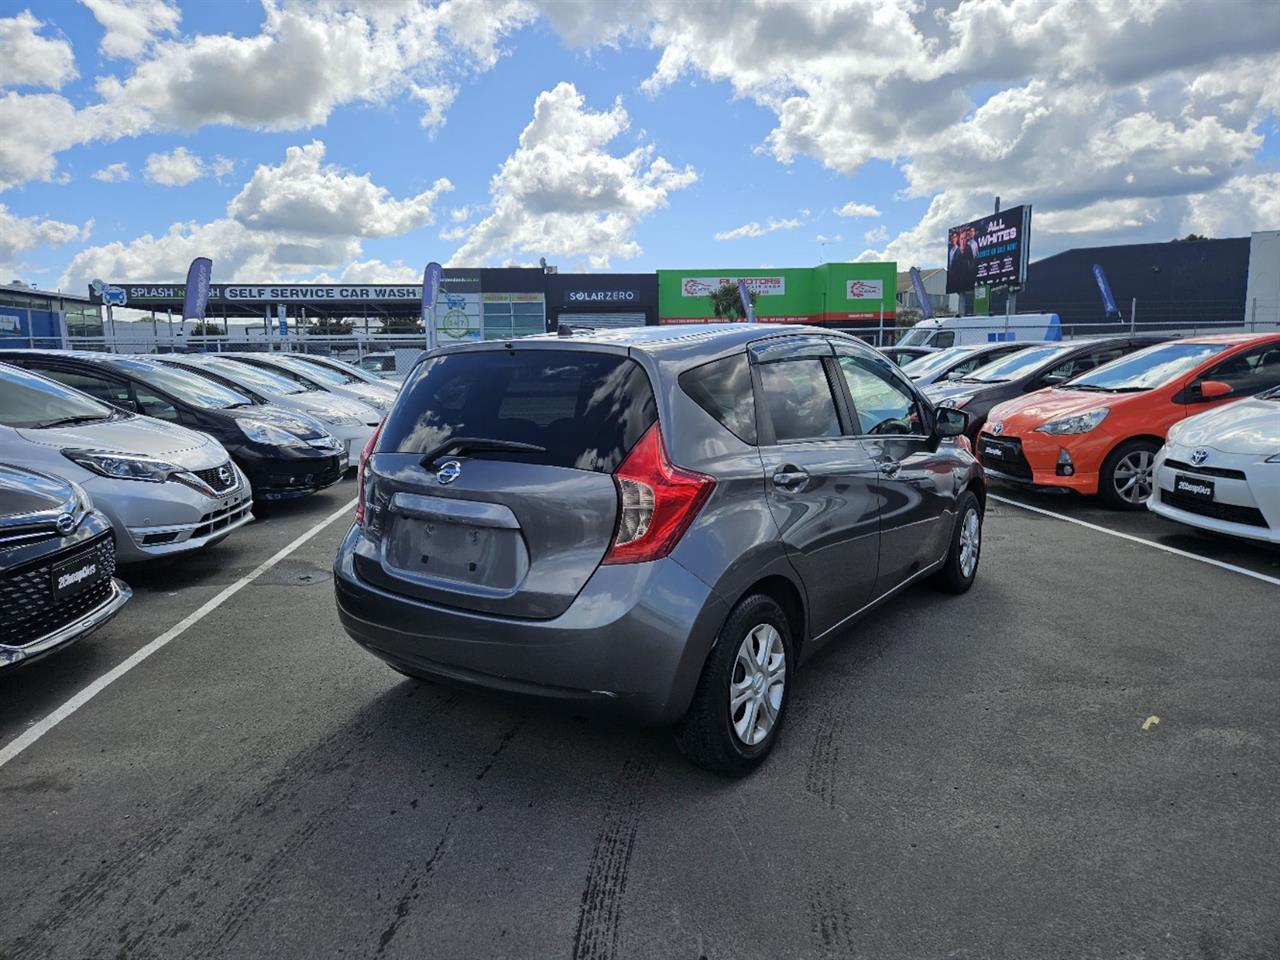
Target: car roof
[[1231, 339]]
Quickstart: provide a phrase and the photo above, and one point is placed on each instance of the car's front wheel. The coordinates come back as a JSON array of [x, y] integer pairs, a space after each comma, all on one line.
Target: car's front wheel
[[961, 565], [1128, 474], [741, 700]]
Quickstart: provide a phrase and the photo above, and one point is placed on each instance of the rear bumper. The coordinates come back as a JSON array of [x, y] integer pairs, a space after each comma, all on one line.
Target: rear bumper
[[633, 641], [82, 626]]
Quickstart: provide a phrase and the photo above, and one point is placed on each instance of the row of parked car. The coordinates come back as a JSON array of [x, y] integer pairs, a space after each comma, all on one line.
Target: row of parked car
[[1188, 428], [108, 459]]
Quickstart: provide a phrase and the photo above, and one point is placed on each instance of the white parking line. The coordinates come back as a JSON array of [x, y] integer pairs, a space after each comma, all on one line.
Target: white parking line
[[34, 733], [1146, 543]]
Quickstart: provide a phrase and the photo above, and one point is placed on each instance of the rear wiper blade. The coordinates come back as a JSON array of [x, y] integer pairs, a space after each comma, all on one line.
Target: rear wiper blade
[[478, 445]]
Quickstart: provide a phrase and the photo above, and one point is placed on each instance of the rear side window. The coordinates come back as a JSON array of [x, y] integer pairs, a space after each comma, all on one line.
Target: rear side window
[[798, 398], [1251, 371], [723, 389], [585, 409]]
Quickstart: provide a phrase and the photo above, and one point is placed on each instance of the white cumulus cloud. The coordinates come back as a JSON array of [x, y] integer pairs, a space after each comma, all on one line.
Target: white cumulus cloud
[[754, 229], [131, 26], [180, 166], [19, 234], [563, 193], [853, 209], [112, 173], [29, 59]]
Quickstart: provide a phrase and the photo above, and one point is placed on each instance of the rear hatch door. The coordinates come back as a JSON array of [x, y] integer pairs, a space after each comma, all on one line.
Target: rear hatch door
[[491, 487]]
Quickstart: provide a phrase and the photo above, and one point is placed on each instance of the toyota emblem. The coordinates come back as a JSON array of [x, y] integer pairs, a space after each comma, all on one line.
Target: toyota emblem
[[66, 524], [998, 427], [449, 471], [1199, 456]]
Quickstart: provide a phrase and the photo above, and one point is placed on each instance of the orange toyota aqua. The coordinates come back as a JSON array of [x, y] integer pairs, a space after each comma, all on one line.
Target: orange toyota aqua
[[1099, 433]]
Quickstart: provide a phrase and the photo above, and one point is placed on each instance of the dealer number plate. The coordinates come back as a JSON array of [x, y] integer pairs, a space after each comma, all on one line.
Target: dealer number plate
[[1195, 487], [74, 576]]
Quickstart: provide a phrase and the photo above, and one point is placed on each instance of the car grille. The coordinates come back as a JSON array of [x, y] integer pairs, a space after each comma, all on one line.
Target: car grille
[[27, 610], [1230, 512], [211, 523], [216, 482], [1012, 462], [1205, 471]]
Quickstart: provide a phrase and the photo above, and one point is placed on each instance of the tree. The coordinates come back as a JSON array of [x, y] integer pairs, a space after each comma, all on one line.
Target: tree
[[401, 325], [207, 329], [726, 303], [1190, 236], [329, 327]]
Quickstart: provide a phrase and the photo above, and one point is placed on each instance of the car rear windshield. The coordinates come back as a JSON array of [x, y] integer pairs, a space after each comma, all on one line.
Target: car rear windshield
[[30, 401], [585, 410], [1149, 368], [1019, 364]]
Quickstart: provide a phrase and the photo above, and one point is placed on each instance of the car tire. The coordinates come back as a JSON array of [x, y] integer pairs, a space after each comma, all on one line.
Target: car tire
[[741, 700], [965, 550], [1121, 478]]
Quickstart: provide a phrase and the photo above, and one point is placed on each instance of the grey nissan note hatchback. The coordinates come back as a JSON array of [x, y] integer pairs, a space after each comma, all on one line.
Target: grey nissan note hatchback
[[664, 520]]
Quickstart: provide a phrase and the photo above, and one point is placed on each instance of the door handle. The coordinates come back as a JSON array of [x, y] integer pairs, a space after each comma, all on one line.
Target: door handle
[[890, 468], [790, 477]]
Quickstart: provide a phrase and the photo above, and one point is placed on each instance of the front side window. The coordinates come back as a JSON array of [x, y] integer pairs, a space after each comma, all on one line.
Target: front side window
[[723, 389], [114, 392], [1249, 372], [28, 401], [152, 404], [881, 405], [798, 399], [1083, 364], [944, 339], [184, 385]]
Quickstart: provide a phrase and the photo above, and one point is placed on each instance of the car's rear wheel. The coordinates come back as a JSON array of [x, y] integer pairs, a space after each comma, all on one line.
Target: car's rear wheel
[[741, 700], [1128, 475], [961, 566]]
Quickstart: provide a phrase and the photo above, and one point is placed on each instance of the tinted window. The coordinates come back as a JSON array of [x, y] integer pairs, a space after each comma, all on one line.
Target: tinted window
[[115, 392], [1149, 368], [586, 409], [154, 405], [723, 389], [799, 401], [27, 401], [881, 404], [1084, 363], [945, 338], [1250, 371]]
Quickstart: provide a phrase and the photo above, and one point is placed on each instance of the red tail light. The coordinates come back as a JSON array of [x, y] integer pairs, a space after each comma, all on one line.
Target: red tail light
[[656, 502], [364, 455]]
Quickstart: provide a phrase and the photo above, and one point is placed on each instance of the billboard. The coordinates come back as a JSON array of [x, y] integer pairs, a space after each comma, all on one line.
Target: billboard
[[990, 251], [844, 294]]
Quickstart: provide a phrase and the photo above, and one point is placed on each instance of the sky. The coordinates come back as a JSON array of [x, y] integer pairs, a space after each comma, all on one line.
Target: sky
[[295, 140]]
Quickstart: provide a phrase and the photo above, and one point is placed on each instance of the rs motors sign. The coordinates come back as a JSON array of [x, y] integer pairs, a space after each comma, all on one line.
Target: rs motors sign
[[760, 286]]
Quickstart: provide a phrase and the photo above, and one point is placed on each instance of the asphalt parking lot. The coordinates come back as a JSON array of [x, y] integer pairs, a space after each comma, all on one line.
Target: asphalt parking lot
[[973, 777]]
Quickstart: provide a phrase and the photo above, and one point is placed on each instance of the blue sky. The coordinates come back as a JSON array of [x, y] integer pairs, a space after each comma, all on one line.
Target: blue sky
[[763, 130]]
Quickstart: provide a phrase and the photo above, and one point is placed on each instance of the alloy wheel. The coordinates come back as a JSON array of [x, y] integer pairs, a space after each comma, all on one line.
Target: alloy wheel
[[758, 684], [970, 542], [1132, 476]]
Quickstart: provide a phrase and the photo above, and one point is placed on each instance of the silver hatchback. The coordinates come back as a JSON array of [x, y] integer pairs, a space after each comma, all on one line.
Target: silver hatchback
[[662, 520]]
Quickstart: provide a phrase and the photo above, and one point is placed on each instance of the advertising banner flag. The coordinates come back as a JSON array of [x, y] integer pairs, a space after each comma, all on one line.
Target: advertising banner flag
[[748, 310], [197, 294], [282, 317], [917, 283], [430, 291], [1108, 301]]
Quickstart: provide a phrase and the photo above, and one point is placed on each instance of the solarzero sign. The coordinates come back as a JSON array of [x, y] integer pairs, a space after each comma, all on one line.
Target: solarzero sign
[[760, 286], [602, 296]]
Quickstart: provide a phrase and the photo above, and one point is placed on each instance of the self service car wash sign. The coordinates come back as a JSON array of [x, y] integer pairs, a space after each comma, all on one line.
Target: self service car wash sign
[[843, 294]]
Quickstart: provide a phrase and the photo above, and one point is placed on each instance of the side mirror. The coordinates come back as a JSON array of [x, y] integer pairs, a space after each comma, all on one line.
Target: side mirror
[[1213, 389], [1053, 379], [949, 422]]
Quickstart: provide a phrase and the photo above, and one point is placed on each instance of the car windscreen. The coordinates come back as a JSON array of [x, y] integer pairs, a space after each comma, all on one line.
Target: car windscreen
[[326, 373], [584, 410], [28, 401], [255, 378], [939, 360], [1019, 364], [1149, 368], [184, 385], [307, 382]]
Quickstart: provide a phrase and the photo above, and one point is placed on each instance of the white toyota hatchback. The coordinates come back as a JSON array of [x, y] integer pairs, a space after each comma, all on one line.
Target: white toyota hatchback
[[1220, 470]]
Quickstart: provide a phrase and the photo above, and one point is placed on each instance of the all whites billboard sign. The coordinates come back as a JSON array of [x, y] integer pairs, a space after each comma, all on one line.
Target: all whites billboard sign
[[760, 286]]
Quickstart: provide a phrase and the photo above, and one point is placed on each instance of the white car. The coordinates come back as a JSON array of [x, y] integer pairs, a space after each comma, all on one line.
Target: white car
[[1220, 470], [380, 397], [155, 481]]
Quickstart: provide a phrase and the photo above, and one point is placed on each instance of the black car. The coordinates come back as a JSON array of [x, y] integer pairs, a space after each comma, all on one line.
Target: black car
[[1027, 370], [283, 454], [57, 566]]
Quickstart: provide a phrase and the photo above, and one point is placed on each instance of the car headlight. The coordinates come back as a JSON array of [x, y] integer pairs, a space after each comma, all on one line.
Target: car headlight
[[260, 431], [1275, 459], [1081, 423], [376, 402], [121, 466], [341, 419], [955, 403]]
